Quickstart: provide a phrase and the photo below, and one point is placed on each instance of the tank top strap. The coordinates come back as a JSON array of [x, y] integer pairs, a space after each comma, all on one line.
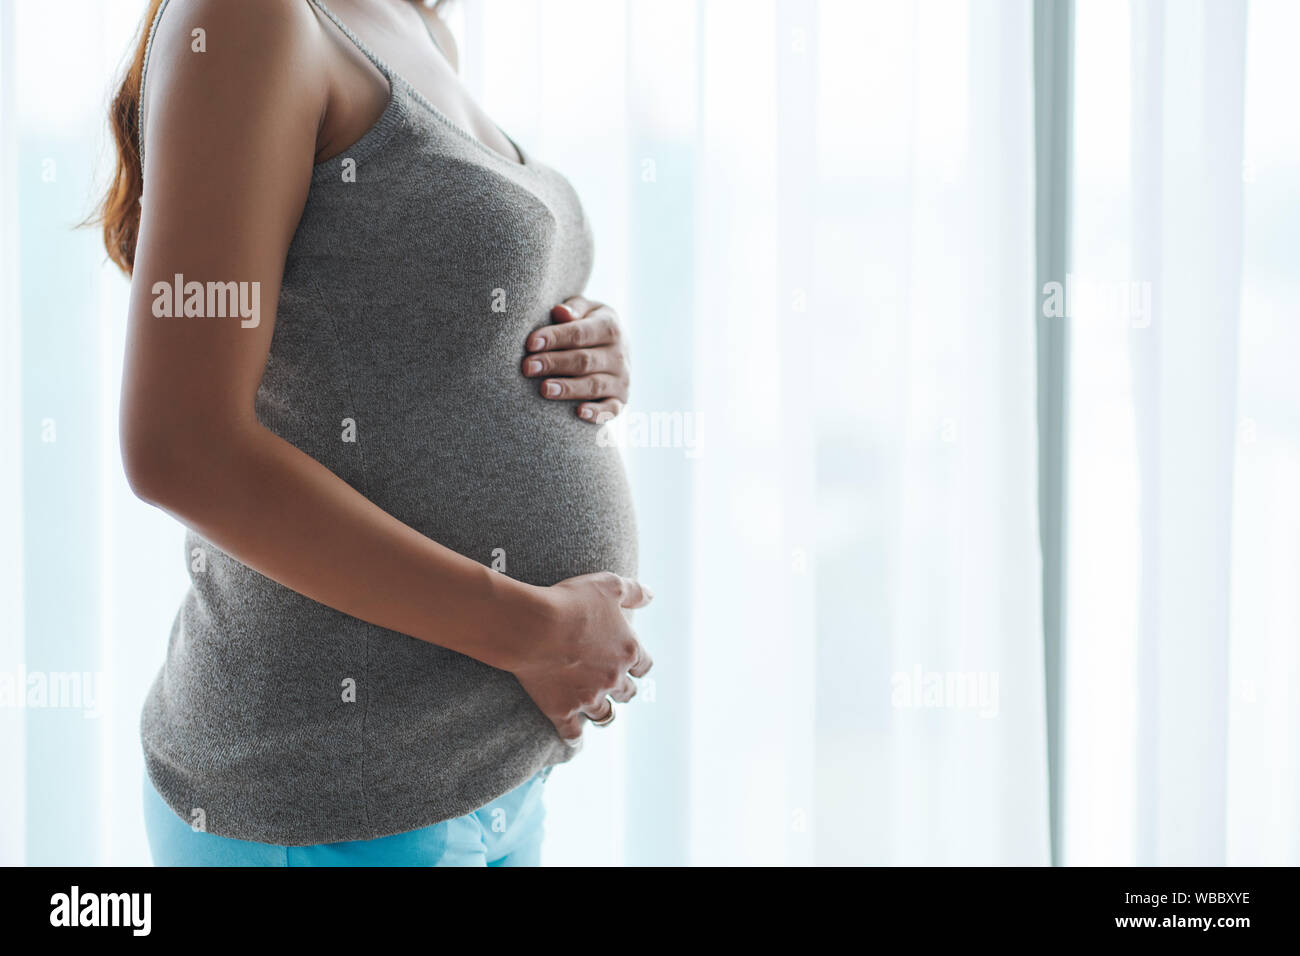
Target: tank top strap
[[373, 57], [144, 69]]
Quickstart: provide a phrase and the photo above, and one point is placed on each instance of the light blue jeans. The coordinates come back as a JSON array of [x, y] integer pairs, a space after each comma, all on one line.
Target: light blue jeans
[[506, 832]]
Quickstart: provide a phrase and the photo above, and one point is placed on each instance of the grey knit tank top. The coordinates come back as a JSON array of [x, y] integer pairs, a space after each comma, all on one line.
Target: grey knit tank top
[[422, 261]]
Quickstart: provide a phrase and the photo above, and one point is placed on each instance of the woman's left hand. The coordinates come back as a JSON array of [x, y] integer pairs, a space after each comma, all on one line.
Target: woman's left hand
[[581, 357]]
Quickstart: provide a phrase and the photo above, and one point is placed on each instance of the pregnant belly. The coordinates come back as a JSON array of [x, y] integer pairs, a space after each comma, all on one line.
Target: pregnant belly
[[537, 496]]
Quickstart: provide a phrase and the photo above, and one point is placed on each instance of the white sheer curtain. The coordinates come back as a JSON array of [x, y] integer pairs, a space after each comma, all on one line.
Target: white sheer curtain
[[1183, 624], [848, 647], [928, 562], [816, 219]]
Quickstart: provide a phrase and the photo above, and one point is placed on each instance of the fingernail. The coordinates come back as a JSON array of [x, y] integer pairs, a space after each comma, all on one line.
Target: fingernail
[[532, 367], [551, 389], [574, 742], [539, 343], [587, 412]]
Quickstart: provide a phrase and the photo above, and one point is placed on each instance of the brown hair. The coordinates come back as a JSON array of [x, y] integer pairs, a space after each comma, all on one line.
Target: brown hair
[[119, 211]]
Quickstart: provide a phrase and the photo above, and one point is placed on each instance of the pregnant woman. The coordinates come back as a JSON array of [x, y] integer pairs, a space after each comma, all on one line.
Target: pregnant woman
[[360, 370]]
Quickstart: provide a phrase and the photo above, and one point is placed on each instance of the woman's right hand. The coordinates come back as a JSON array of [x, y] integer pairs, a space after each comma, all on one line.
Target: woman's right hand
[[585, 650]]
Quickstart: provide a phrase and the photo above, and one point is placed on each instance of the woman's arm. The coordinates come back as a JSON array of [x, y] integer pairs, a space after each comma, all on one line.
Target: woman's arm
[[231, 137]]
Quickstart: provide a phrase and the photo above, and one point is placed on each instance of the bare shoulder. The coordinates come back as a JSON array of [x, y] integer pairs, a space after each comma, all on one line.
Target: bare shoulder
[[240, 45], [237, 27]]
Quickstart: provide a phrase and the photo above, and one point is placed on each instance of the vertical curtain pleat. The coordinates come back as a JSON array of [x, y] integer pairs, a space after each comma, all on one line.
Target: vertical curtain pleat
[[1147, 141], [741, 685], [797, 305], [1191, 450], [1155, 437], [13, 759], [660, 46], [931, 745], [1263, 771]]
